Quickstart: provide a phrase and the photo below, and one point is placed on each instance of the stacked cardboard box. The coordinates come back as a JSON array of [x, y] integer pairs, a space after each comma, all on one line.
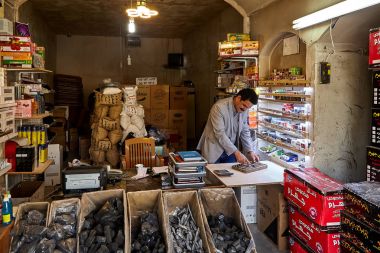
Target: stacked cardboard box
[[361, 218], [315, 202], [165, 107], [16, 51]]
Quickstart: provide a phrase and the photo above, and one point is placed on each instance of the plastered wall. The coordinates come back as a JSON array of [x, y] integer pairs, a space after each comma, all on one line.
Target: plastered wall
[[95, 58], [201, 50], [342, 108]]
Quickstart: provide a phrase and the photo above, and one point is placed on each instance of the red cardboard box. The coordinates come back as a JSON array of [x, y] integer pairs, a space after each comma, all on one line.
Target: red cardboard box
[[315, 194], [311, 234], [374, 47], [296, 246], [360, 201]]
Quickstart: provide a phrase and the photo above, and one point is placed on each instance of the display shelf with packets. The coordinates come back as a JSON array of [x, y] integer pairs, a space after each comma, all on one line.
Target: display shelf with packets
[[373, 164], [376, 89], [375, 127]]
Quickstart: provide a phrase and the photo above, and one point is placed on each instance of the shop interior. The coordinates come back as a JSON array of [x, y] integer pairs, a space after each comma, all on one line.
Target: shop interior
[[103, 104]]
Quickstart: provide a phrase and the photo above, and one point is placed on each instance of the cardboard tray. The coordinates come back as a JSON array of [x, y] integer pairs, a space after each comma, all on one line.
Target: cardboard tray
[[182, 199], [217, 200], [94, 200], [141, 202], [318, 196]]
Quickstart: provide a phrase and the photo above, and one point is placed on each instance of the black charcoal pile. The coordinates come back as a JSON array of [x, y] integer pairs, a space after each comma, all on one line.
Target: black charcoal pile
[[149, 238], [185, 233], [226, 236], [28, 232], [103, 229]]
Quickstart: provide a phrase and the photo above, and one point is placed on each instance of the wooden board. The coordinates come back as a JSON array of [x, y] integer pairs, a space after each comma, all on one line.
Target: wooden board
[[39, 170], [274, 174]]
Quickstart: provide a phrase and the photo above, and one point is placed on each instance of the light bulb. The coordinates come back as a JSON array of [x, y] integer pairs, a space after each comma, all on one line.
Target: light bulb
[[131, 26]]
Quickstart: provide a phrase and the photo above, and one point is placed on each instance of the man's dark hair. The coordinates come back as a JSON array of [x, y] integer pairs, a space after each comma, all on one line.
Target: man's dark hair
[[248, 94]]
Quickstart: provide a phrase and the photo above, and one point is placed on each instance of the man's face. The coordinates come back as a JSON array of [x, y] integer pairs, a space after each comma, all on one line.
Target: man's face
[[242, 105]]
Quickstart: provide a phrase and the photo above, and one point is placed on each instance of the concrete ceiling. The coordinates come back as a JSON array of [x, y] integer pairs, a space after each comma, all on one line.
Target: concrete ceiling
[[108, 18]]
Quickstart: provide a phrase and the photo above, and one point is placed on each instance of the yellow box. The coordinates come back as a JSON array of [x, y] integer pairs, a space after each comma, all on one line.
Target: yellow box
[[238, 36]]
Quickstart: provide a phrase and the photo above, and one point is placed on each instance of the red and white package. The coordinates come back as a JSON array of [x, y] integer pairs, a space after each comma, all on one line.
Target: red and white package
[[374, 48]]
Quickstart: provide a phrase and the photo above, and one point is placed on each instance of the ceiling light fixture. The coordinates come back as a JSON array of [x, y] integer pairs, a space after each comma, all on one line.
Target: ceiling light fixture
[[331, 12], [141, 10], [131, 25]]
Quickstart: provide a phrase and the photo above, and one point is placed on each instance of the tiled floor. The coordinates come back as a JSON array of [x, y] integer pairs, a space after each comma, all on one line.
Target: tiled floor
[[263, 243]]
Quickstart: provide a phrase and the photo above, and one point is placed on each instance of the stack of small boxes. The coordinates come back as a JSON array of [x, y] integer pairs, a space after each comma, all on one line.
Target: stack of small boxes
[[361, 218], [16, 51], [186, 174], [315, 202]]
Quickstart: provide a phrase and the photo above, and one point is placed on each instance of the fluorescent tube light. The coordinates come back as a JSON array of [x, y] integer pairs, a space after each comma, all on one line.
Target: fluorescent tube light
[[333, 11]]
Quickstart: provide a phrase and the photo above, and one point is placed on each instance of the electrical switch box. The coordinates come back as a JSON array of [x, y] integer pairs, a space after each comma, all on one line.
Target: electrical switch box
[[325, 72]]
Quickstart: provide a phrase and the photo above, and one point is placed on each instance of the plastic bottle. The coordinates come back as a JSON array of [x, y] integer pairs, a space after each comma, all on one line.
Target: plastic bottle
[[6, 213], [1, 208], [10, 203]]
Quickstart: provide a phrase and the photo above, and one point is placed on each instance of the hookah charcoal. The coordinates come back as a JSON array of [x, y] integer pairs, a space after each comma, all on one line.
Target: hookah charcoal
[[103, 229], [185, 233], [226, 236], [149, 238]]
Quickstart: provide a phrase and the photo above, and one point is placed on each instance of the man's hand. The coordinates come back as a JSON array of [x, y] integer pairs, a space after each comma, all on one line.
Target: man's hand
[[253, 157], [241, 158]]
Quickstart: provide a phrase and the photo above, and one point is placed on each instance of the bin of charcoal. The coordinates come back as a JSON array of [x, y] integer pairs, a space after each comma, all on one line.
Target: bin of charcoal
[[103, 229], [226, 236], [62, 230], [184, 231], [149, 239], [28, 231]]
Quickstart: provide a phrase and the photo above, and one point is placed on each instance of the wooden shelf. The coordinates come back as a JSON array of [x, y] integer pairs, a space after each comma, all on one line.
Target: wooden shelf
[[39, 170], [36, 116], [34, 70], [221, 71], [5, 170], [283, 101], [281, 144], [284, 83], [6, 137], [295, 133], [7, 105], [286, 95], [284, 115]]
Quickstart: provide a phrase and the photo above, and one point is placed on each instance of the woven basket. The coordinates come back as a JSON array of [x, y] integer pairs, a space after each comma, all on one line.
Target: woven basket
[[97, 156], [104, 145], [99, 133], [114, 111], [108, 99], [115, 136], [101, 111], [113, 156], [109, 124]]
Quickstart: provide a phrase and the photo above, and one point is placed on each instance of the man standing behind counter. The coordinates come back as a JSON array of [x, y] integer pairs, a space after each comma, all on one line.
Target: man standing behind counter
[[226, 128]]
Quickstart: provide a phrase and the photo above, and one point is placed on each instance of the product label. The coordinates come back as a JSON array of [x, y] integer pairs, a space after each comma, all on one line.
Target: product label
[[6, 218]]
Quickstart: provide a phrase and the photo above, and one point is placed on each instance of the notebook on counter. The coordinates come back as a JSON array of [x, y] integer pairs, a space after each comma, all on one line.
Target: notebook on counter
[[189, 156]]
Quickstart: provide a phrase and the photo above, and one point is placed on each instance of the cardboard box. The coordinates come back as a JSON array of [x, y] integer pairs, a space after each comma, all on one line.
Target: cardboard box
[[376, 89], [7, 95], [375, 127], [159, 97], [232, 48], [159, 118], [358, 203], [61, 112], [311, 234], [296, 246], [94, 200], [317, 195], [146, 80], [250, 48], [223, 200], [16, 55], [55, 153], [178, 98], [374, 48], [272, 214], [28, 191], [181, 199], [143, 96], [373, 164], [247, 197], [178, 120], [368, 235], [24, 108], [349, 243], [141, 202], [238, 36]]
